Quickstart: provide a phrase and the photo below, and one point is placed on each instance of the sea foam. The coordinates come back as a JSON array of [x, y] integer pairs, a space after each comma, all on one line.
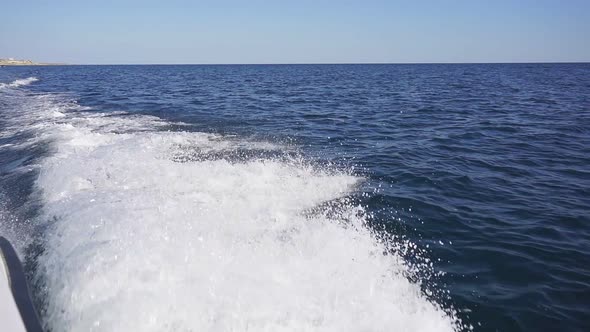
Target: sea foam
[[19, 82], [140, 235]]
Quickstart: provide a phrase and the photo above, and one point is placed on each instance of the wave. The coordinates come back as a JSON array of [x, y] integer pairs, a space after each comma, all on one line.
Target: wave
[[144, 231], [19, 82]]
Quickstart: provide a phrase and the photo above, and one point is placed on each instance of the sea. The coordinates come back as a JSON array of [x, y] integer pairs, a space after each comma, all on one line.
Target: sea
[[383, 197]]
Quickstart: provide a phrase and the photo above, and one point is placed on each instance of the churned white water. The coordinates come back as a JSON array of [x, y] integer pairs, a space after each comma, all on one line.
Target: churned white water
[[18, 83], [144, 232]]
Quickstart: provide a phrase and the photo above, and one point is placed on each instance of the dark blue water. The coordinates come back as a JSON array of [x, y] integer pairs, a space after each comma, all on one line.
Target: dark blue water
[[485, 166]]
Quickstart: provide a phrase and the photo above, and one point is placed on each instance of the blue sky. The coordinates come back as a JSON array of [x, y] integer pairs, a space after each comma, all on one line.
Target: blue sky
[[302, 31]]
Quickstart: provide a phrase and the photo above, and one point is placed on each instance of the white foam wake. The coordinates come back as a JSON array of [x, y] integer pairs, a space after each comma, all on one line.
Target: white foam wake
[[19, 82], [139, 239], [12, 228]]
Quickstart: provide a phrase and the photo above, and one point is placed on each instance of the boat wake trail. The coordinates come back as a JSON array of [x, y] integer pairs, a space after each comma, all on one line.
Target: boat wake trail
[[18, 83], [148, 229]]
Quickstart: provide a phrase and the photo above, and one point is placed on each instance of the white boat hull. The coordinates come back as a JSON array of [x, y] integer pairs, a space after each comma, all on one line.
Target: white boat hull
[[17, 313]]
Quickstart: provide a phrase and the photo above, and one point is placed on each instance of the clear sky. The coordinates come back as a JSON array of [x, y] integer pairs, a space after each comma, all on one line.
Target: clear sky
[[298, 31]]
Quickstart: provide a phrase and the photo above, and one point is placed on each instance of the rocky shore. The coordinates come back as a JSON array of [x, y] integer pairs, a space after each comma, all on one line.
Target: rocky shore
[[15, 62]]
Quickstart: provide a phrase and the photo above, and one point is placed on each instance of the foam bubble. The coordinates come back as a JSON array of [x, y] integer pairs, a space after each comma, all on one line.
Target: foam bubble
[[13, 228], [19, 82], [142, 235]]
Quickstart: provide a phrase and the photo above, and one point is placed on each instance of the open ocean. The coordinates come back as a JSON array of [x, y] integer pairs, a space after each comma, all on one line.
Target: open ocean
[[300, 197]]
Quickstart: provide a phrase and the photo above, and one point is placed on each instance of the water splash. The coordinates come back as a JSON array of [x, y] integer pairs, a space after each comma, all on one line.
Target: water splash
[[19, 83], [142, 235]]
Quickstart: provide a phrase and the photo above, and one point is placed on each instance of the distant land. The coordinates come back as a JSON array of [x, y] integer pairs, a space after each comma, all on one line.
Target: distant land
[[16, 62]]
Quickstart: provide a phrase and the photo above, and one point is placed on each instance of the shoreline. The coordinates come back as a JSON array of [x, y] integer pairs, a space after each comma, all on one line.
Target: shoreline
[[10, 62]]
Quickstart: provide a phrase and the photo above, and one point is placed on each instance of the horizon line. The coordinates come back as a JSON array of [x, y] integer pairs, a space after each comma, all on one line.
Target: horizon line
[[319, 63]]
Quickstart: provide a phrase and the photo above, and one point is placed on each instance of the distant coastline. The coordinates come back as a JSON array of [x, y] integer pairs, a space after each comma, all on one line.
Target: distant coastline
[[16, 62]]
